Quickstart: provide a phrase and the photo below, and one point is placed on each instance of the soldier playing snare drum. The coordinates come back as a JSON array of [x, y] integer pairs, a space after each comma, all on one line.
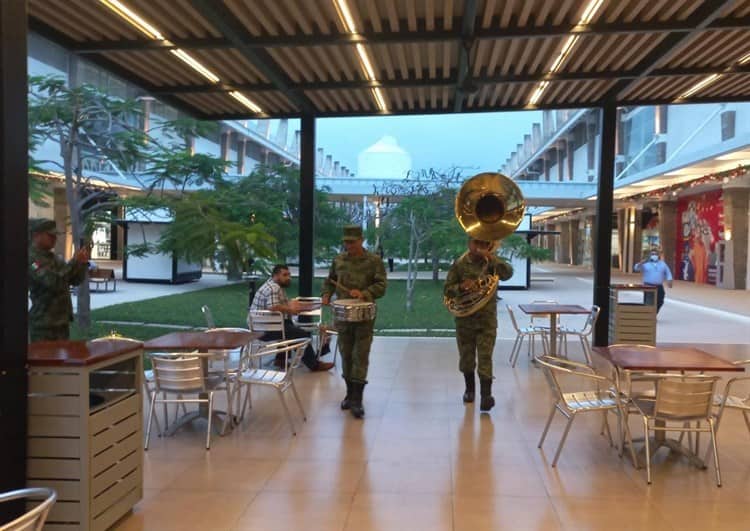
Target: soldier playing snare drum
[[359, 274]]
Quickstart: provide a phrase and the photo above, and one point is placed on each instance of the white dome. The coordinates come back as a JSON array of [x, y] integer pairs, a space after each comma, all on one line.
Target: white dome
[[384, 160]]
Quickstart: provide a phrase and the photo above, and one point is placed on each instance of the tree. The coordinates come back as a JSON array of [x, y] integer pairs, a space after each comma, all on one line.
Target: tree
[[516, 246], [422, 223], [90, 127], [274, 196], [252, 218]]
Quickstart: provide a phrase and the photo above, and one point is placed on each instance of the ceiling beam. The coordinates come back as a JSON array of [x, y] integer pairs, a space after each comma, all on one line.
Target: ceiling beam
[[466, 43], [507, 108], [221, 18], [494, 32], [424, 80], [674, 43]]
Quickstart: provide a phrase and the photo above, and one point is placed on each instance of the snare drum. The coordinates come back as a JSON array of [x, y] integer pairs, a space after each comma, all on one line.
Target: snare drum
[[353, 310]]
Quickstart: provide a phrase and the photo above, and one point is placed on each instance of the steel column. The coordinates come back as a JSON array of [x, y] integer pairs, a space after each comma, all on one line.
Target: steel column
[[603, 238], [307, 205], [14, 213]]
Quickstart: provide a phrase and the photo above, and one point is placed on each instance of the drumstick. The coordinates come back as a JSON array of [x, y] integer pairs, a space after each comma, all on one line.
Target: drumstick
[[339, 285]]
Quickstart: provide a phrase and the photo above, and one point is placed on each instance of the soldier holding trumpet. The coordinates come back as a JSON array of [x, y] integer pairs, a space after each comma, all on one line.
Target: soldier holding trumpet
[[355, 274]]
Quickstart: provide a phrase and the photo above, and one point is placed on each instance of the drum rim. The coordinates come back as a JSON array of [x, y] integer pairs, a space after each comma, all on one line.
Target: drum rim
[[351, 302]]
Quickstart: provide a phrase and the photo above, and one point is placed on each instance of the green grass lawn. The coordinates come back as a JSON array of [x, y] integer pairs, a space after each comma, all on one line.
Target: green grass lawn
[[229, 307]]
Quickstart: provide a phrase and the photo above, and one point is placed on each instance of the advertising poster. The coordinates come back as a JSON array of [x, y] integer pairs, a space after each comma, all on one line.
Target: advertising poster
[[700, 225]]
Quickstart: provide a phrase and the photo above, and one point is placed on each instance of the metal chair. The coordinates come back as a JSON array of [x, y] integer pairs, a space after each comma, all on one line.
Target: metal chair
[[33, 519], [281, 381], [684, 400], [738, 402], [210, 323], [262, 321], [570, 404], [179, 375], [582, 333], [529, 332], [309, 319]]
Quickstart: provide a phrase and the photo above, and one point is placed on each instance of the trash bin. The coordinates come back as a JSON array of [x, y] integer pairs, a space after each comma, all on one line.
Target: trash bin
[[632, 314], [251, 287]]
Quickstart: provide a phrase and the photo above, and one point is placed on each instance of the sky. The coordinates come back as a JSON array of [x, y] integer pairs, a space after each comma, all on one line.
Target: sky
[[477, 141]]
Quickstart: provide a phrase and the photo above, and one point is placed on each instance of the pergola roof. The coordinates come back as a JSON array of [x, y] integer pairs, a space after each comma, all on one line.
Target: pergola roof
[[294, 57]]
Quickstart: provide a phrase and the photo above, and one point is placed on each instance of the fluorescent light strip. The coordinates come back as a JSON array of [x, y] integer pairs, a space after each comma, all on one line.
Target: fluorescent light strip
[[588, 15], [538, 92], [379, 99], [134, 20], [590, 11], [366, 64], [345, 14], [245, 101], [567, 47], [195, 65], [701, 84]]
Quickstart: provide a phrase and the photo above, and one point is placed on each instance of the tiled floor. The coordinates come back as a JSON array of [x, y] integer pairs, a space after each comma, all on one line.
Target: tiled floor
[[421, 460]]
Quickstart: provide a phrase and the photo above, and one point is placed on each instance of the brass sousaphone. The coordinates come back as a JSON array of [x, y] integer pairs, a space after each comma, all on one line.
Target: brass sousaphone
[[489, 206]]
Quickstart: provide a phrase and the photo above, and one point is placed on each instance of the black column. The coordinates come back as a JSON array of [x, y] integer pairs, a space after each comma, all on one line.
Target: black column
[[14, 213], [307, 205], [603, 236]]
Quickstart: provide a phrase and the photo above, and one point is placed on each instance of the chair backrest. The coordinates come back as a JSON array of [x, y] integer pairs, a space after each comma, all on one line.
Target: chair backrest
[[513, 319], [265, 321], [178, 373], [113, 336], [294, 346], [554, 367], [588, 326], [312, 316], [208, 316], [33, 519], [685, 397]]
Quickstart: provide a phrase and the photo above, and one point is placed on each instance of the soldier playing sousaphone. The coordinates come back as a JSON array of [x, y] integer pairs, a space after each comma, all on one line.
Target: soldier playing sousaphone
[[355, 274]]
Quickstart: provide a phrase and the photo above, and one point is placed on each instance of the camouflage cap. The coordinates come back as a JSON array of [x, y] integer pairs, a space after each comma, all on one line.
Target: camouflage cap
[[42, 225], [352, 233]]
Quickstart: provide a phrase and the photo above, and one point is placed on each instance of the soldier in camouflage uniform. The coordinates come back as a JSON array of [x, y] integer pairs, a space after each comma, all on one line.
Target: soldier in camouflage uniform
[[355, 273], [50, 279], [475, 333]]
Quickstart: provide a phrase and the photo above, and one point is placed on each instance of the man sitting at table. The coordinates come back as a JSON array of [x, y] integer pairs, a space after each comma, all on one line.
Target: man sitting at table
[[272, 296]]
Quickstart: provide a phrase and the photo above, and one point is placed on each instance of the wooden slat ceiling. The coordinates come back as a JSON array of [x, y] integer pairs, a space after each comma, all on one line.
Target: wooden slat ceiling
[[294, 57]]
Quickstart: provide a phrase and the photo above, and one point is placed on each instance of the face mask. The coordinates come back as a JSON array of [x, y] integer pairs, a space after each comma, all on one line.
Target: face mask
[[654, 257]]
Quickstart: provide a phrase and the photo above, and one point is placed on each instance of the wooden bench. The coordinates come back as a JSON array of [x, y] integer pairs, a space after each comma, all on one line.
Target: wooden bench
[[102, 277]]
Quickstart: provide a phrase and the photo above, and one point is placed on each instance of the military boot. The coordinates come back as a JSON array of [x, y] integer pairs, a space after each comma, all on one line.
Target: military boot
[[470, 387], [358, 411], [346, 403], [485, 388]]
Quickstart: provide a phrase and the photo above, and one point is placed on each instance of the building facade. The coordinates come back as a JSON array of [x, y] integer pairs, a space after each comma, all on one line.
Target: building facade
[[681, 185]]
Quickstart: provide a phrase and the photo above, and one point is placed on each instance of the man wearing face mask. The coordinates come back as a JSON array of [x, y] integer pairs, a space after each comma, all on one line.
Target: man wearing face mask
[[655, 272]]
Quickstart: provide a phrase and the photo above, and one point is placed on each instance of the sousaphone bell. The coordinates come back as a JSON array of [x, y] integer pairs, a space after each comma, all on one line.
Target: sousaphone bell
[[489, 206]]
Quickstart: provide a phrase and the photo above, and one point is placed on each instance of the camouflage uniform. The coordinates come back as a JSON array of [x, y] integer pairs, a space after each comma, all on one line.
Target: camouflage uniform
[[475, 333], [50, 279], [367, 274]]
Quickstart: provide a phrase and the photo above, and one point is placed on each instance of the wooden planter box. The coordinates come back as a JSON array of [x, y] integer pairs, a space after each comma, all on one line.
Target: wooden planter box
[[632, 315], [85, 435]]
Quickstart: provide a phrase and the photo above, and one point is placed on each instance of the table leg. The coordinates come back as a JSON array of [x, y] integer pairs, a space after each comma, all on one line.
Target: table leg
[[553, 334]]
